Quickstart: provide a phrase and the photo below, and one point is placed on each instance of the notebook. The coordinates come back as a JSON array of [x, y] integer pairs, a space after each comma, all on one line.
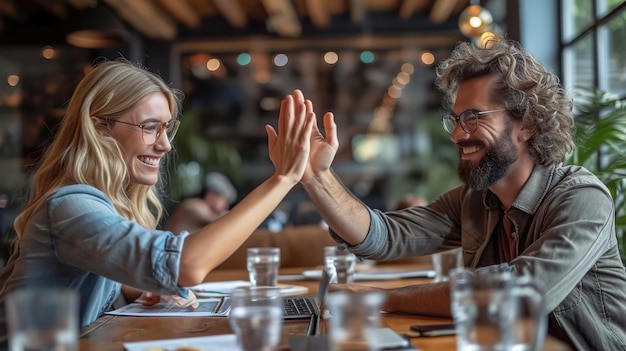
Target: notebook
[[312, 307]]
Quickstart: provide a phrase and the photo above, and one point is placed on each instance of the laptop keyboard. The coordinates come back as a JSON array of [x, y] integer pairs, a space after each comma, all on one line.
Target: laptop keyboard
[[298, 306]]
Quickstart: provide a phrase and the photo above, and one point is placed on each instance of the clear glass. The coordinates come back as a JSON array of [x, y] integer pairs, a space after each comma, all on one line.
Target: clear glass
[[256, 317], [42, 319], [263, 264], [354, 317], [495, 309], [445, 261], [342, 262]]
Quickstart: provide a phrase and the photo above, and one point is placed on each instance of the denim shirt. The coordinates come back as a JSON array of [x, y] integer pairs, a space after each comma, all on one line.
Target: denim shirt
[[564, 222], [77, 240]]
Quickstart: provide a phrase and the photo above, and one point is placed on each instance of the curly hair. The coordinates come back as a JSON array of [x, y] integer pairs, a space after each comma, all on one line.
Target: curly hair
[[527, 89], [82, 154]]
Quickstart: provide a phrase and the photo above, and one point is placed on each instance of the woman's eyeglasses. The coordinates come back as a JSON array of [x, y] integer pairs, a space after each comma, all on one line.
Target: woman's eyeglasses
[[468, 120], [151, 131]]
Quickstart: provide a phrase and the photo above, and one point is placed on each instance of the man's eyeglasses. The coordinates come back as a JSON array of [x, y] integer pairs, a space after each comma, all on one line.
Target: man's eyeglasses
[[151, 131], [468, 120]]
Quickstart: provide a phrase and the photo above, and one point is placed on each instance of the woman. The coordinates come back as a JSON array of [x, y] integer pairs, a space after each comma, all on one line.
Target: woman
[[90, 223]]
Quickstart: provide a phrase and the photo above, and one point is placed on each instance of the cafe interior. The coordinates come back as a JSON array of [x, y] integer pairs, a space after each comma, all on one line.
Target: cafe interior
[[371, 62]]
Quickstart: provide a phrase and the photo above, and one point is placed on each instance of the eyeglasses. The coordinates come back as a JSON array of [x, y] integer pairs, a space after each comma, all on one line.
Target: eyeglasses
[[468, 120], [151, 131]]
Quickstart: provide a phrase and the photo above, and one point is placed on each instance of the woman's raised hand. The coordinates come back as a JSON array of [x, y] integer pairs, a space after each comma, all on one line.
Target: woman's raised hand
[[289, 148]]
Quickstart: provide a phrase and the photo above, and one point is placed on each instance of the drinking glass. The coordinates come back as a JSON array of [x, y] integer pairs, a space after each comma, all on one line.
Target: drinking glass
[[354, 318], [256, 317], [495, 310], [444, 261], [263, 264], [343, 262], [42, 319]]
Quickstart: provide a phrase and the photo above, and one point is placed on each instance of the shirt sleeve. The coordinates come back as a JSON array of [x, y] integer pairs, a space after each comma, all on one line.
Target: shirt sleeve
[[374, 239], [414, 231], [89, 234]]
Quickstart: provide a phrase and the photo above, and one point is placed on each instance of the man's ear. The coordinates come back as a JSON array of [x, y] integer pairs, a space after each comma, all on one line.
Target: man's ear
[[526, 133]]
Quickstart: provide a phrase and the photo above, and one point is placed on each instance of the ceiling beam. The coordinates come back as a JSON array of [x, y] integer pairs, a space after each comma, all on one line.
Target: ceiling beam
[[441, 11], [409, 7], [146, 18], [182, 12], [203, 7], [232, 11], [55, 7], [318, 13], [8, 9], [82, 4], [282, 17], [357, 11]]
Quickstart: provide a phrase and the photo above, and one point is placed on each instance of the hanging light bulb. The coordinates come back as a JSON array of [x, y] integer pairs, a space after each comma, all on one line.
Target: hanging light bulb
[[474, 21]]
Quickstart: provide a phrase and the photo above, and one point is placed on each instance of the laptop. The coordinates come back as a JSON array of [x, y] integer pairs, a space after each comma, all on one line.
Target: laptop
[[311, 307], [387, 339]]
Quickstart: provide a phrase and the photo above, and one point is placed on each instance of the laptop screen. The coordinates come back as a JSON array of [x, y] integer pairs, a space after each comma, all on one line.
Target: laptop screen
[[328, 276]]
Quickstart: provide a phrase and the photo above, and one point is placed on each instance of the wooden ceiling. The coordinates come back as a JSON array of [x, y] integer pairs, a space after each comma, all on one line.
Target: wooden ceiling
[[199, 19]]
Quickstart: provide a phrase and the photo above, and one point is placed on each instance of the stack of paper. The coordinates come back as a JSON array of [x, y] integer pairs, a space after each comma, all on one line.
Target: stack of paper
[[212, 307], [224, 288]]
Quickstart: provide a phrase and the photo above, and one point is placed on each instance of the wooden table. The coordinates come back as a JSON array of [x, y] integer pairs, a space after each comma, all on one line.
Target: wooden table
[[110, 332]]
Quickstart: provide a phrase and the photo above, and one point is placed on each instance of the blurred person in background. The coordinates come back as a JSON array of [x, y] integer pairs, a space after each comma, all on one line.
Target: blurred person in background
[[215, 199]]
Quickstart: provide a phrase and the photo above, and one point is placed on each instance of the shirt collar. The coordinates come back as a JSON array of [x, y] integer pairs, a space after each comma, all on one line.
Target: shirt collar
[[532, 193]]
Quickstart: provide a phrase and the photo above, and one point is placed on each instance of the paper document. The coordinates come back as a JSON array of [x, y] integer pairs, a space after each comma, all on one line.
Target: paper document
[[215, 307], [224, 288], [216, 342]]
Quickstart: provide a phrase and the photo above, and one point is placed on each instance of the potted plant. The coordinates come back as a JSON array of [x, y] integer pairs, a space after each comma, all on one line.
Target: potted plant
[[601, 147]]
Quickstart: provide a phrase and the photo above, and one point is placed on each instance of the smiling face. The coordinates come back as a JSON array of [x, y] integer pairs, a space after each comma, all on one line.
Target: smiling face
[[488, 154], [142, 159]]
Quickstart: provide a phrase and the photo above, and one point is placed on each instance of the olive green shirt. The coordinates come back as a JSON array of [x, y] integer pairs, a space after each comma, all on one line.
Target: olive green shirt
[[564, 225]]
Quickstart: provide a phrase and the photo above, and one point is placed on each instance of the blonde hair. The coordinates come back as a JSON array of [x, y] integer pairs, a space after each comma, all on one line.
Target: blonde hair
[[81, 154]]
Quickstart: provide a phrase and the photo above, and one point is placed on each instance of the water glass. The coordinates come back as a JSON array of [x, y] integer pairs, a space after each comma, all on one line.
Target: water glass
[[263, 264], [256, 317], [354, 318], [495, 310], [444, 261], [42, 319], [342, 262]]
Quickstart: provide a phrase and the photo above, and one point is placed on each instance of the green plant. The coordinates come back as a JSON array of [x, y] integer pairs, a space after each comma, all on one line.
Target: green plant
[[601, 147], [195, 155]]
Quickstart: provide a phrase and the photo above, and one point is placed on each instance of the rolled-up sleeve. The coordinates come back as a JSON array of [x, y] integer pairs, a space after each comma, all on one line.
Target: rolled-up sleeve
[[373, 242], [87, 233]]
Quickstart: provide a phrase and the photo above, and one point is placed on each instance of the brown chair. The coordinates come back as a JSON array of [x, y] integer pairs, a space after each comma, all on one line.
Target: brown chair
[[300, 246]]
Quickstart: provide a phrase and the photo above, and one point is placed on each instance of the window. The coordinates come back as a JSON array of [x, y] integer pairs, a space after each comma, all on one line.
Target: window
[[593, 34]]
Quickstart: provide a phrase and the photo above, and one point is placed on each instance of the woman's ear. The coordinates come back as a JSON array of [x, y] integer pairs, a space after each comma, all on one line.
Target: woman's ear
[[100, 123]]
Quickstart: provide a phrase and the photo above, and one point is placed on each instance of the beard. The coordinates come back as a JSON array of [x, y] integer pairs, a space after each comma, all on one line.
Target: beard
[[493, 166]]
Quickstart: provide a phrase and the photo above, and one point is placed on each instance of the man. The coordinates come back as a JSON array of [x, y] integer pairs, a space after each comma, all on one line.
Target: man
[[518, 207], [218, 193]]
